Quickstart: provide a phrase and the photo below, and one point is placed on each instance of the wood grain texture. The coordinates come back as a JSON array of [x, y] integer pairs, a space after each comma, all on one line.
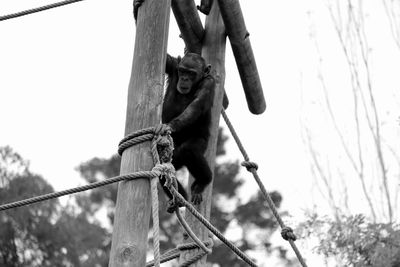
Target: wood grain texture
[[189, 23], [214, 52], [133, 208], [244, 56]]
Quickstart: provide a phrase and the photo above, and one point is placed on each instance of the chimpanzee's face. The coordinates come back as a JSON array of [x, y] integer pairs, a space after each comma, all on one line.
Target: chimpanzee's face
[[190, 72]]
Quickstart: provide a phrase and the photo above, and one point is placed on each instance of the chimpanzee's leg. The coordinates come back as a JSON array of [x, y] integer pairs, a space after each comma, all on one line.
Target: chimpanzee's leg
[[191, 155]]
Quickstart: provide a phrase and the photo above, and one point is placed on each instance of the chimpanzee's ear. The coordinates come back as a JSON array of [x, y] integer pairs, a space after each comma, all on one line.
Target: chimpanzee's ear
[[207, 69]]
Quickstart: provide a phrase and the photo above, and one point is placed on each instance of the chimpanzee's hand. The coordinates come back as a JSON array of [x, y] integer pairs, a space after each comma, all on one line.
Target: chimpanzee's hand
[[163, 129]]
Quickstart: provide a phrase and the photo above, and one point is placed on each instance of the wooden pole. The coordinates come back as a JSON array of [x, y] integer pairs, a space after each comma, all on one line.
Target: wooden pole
[[214, 52], [189, 24], [133, 208], [245, 61]]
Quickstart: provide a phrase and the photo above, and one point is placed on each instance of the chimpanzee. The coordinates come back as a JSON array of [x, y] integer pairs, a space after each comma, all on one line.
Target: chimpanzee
[[186, 113]]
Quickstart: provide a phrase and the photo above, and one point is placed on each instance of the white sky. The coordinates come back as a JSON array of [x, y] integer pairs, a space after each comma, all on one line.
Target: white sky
[[64, 77]]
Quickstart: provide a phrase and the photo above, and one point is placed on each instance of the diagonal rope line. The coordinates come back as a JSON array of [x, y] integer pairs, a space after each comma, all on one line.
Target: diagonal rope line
[[175, 253], [131, 176], [154, 202], [156, 222], [167, 256], [191, 233], [212, 228], [37, 9], [287, 232]]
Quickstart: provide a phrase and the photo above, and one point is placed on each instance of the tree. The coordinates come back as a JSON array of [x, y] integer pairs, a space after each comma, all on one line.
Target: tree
[[43, 234], [250, 217], [353, 241], [359, 173]]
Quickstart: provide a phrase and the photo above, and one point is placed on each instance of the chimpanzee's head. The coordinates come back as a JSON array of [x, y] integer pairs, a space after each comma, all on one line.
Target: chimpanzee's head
[[191, 70]]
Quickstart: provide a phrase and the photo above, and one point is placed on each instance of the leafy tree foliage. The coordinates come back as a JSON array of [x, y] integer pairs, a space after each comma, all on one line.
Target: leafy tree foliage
[[353, 241], [43, 234]]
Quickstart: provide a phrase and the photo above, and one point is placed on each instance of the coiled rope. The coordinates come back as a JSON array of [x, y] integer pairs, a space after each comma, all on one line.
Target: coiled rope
[[286, 232], [37, 9]]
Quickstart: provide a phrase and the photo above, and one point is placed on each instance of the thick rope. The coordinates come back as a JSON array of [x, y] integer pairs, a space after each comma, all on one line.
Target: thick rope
[[38, 9], [156, 222], [191, 233], [131, 139], [287, 232], [194, 259], [131, 176], [135, 138], [198, 256], [210, 227], [154, 204], [167, 256], [176, 252]]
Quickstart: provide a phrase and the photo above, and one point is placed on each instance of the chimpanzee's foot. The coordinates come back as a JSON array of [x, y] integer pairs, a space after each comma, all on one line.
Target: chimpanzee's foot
[[197, 198], [196, 192]]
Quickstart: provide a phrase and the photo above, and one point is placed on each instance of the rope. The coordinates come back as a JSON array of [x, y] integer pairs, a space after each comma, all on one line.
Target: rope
[[286, 232], [135, 138], [191, 233], [156, 222], [193, 259], [38, 9], [210, 227], [175, 253], [190, 246], [169, 255], [131, 176], [154, 205]]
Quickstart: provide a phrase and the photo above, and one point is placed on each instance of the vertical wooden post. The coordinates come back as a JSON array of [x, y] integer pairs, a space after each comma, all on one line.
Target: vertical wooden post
[[132, 214], [214, 45]]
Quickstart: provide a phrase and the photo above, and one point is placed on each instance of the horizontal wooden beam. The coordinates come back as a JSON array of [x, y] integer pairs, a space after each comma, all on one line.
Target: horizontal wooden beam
[[245, 61]]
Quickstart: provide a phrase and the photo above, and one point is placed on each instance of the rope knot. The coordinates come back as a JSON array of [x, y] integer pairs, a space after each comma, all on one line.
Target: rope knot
[[250, 165], [167, 171], [165, 147], [287, 234]]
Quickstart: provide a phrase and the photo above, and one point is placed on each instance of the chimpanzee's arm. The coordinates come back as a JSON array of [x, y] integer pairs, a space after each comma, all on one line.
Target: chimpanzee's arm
[[171, 64], [197, 107]]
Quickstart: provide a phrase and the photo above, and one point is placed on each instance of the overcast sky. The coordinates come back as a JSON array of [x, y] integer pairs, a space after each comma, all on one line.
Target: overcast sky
[[64, 77]]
